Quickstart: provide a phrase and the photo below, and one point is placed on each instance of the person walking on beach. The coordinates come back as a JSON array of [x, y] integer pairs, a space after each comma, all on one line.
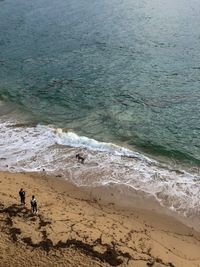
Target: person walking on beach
[[34, 204], [22, 196]]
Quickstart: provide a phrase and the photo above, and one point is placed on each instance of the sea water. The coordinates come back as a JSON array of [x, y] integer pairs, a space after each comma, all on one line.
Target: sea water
[[115, 80]]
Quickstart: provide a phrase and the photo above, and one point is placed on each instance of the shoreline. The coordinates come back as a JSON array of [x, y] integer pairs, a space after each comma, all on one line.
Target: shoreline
[[74, 227], [126, 198], [52, 148]]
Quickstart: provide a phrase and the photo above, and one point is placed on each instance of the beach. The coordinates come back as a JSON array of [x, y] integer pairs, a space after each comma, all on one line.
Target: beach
[[74, 227], [116, 82]]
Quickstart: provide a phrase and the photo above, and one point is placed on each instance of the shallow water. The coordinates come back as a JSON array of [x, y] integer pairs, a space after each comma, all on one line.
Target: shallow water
[[115, 80], [118, 71], [25, 147]]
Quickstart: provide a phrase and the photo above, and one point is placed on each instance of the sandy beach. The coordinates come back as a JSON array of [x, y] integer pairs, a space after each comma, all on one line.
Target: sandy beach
[[75, 228]]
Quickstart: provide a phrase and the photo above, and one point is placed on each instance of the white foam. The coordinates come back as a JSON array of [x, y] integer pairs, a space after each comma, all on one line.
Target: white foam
[[35, 148], [74, 140]]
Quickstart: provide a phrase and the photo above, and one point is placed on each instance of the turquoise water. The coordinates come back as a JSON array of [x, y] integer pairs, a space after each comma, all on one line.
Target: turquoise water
[[125, 72]]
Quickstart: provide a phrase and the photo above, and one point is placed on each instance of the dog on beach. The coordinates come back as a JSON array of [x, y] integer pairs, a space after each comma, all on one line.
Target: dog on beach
[[80, 158]]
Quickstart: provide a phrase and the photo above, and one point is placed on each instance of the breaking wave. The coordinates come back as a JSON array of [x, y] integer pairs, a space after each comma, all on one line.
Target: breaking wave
[[28, 148]]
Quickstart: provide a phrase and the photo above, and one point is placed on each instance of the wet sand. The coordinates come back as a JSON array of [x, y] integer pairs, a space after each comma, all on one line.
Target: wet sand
[[85, 227]]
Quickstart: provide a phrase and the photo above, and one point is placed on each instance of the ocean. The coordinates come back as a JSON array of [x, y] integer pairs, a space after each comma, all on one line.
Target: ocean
[[115, 80]]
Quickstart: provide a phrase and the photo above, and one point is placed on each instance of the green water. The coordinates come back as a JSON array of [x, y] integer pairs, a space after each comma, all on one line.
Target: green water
[[120, 71]]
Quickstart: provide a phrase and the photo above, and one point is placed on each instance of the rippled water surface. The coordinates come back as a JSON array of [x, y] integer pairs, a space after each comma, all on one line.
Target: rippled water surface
[[121, 71]]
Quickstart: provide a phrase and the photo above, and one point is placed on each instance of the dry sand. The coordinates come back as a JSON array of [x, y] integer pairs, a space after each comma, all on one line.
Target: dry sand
[[74, 228]]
